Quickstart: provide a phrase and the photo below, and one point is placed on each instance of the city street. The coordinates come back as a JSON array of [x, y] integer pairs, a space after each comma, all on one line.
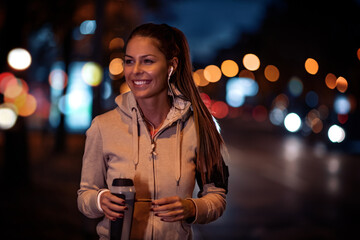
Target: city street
[[281, 187]]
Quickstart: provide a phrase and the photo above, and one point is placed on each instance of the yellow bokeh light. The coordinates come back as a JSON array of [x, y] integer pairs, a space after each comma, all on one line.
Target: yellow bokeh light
[[212, 73], [330, 81], [251, 62], [124, 87], [199, 78], [271, 73], [19, 59], [116, 43], [116, 66], [358, 53], [92, 73], [229, 68], [341, 84], [311, 66]]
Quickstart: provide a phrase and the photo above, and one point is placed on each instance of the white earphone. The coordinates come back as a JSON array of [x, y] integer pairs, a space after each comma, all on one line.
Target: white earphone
[[171, 70]]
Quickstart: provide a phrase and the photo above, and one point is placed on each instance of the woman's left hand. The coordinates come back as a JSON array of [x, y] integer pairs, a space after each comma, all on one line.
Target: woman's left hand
[[172, 209]]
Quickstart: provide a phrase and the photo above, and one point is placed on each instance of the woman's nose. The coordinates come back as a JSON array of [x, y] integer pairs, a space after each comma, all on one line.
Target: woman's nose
[[137, 68]]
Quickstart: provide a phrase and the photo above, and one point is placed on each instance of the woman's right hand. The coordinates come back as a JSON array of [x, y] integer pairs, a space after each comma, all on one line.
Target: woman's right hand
[[112, 206]]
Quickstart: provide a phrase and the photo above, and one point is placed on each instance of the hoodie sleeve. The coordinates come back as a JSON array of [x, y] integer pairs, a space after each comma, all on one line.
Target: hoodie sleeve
[[93, 173], [212, 197]]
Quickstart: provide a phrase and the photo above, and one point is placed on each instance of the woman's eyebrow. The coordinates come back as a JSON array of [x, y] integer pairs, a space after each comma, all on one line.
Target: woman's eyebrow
[[143, 56]]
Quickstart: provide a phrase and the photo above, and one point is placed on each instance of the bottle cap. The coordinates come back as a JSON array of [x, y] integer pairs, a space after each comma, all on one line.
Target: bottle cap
[[123, 182]]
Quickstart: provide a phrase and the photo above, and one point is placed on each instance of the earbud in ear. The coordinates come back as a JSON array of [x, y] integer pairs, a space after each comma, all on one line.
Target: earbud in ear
[[171, 70]]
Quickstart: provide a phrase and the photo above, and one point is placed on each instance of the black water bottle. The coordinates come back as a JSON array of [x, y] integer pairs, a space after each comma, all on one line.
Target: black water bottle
[[120, 229]]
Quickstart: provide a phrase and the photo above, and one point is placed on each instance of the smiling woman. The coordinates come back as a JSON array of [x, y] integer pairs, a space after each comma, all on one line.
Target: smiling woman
[[162, 136]]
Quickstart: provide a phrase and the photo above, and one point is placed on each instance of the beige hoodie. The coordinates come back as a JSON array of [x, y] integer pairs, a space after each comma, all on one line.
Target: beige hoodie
[[118, 144]]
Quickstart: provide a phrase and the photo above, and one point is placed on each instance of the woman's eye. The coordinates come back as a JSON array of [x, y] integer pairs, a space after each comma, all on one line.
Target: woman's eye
[[128, 61], [148, 61]]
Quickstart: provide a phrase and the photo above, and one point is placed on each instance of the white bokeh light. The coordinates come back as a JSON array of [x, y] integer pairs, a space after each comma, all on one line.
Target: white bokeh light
[[19, 58], [292, 122], [336, 134]]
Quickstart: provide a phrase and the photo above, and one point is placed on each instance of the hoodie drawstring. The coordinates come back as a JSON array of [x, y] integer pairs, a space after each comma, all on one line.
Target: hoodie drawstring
[[178, 152], [135, 137]]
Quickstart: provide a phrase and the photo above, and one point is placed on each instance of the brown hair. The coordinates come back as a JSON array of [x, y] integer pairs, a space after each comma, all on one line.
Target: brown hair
[[173, 43]]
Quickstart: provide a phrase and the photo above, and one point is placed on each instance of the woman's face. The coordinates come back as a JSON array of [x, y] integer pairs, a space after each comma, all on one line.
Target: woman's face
[[146, 68]]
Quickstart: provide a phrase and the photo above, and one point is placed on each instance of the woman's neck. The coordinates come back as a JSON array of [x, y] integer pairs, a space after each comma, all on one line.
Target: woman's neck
[[155, 110]]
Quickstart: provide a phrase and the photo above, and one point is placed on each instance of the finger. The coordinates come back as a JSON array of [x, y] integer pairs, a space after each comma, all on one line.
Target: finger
[[170, 214], [167, 200], [173, 219], [168, 207], [115, 199]]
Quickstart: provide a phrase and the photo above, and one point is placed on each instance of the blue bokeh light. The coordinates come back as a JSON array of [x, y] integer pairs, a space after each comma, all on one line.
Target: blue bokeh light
[[342, 105]]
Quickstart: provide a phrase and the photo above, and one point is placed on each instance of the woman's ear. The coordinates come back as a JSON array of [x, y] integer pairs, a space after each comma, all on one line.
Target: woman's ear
[[173, 65]]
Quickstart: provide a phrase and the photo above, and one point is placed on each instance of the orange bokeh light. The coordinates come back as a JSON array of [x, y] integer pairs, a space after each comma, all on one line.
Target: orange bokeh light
[[271, 73], [212, 73], [116, 66], [246, 74], [330, 81], [311, 66], [229, 68], [341, 84], [199, 78]]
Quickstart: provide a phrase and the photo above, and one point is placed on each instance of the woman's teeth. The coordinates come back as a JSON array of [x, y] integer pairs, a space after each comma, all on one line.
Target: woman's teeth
[[141, 82]]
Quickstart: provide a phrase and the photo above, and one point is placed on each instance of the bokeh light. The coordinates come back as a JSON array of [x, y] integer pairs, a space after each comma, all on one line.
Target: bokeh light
[[342, 105], [58, 79], [206, 99], [277, 116], [330, 81], [341, 84], [239, 88], [251, 62], [19, 59], [281, 101], [88, 27], [295, 86], [14, 87], [199, 78], [116, 66], [28, 107], [8, 116], [312, 99], [259, 113], [229, 68], [116, 43], [358, 53], [92, 73], [313, 121], [212, 73], [292, 122], [219, 109], [246, 74], [311, 66], [342, 118], [336, 134], [124, 87], [271, 73]]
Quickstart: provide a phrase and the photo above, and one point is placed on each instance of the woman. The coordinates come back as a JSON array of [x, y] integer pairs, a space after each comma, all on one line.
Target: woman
[[162, 136]]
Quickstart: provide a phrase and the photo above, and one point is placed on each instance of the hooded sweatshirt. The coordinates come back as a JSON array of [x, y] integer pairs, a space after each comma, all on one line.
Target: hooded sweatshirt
[[118, 144]]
